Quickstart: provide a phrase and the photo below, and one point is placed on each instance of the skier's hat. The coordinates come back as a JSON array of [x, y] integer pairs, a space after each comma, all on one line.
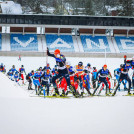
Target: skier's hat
[[57, 51]]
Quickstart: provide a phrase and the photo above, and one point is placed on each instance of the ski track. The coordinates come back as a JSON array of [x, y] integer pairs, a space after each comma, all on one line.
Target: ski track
[[21, 114]]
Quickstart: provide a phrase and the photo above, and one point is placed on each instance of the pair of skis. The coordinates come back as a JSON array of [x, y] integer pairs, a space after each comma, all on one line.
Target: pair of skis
[[31, 95]]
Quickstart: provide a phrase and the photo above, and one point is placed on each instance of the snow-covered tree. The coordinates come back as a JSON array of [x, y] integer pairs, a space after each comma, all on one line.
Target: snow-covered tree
[[126, 8]]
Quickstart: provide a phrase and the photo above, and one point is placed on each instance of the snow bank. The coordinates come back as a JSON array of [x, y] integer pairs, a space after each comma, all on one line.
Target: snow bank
[[8, 88]]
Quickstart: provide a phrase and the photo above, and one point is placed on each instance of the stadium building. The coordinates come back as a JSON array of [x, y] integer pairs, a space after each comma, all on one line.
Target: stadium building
[[30, 35]]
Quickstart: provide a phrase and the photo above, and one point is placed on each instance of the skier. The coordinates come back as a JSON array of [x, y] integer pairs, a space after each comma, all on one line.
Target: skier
[[94, 77], [62, 70], [47, 67], [124, 75], [19, 59], [16, 77], [10, 75], [22, 71], [29, 79], [36, 81], [11, 72], [13, 69], [46, 80], [79, 75], [109, 85], [54, 71], [133, 81], [117, 73], [131, 62], [86, 80], [63, 86], [104, 72], [2, 68], [40, 71], [86, 77]]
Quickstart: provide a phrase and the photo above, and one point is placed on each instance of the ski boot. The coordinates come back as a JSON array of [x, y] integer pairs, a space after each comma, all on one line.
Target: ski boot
[[114, 94], [63, 94], [99, 92], [94, 91], [107, 94], [28, 87], [36, 90], [39, 91], [110, 92], [47, 94], [129, 94], [89, 93], [66, 93], [125, 89], [56, 92], [31, 89], [72, 89], [77, 95], [81, 94]]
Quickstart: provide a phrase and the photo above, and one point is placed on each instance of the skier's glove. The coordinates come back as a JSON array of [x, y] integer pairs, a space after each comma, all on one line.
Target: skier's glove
[[47, 51]]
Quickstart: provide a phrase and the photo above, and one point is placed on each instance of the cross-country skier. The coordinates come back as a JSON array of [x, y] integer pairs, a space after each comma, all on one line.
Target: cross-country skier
[[36, 81], [2, 68], [63, 86], [86, 77], [10, 75], [73, 78], [11, 72], [55, 71], [46, 80], [13, 69], [117, 73], [88, 70], [22, 71], [29, 79], [79, 74], [86, 80], [62, 70], [103, 74], [124, 75], [94, 77], [133, 81], [16, 77], [109, 86], [131, 62], [19, 58], [47, 67], [41, 72]]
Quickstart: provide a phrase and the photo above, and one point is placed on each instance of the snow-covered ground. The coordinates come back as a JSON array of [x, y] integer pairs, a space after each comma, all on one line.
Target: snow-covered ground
[[21, 114]]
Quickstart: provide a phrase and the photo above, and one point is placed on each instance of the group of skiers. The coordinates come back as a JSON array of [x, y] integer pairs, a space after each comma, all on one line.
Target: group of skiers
[[67, 78]]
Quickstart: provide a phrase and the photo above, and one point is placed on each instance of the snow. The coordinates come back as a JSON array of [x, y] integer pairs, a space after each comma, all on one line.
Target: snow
[[9, 7], [9, 90], [47, 9], [21, 114]]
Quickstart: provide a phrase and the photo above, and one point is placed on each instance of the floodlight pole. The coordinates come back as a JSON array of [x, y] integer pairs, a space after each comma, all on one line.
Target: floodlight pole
[[105, 55]]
